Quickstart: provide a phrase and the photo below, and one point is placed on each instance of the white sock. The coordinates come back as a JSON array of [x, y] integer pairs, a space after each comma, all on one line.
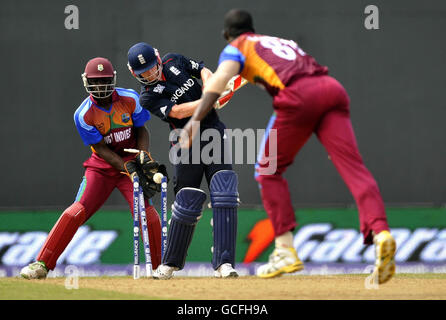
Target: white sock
[[285, 240]]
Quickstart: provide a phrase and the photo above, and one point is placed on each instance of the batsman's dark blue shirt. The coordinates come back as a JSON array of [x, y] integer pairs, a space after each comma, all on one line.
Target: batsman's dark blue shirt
[[180, 85]]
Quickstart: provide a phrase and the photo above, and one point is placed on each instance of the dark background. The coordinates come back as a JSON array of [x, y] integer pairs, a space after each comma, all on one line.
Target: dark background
[[395, 77]]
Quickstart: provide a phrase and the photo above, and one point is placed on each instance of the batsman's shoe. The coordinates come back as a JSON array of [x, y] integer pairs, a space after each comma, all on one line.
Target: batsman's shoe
[[164, 272], [35, 270], [385, 248], [282, 260], [226, 271]]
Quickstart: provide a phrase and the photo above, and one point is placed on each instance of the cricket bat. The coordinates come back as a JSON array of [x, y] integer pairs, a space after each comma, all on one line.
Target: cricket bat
[[233, 85]]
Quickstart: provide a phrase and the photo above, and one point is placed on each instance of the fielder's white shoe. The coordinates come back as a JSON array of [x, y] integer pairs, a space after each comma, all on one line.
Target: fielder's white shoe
[[35, 270], [385, 248], [164, 272], [225, 271], [282, 260]]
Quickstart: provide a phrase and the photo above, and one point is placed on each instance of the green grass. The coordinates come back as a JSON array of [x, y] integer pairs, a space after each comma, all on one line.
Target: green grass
[[20, 289]]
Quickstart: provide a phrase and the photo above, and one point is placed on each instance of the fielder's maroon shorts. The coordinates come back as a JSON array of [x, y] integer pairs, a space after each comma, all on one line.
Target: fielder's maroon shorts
[[317, 104]]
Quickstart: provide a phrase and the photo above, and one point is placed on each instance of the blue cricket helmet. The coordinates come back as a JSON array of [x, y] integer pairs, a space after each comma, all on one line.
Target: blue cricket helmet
[[141, 58]]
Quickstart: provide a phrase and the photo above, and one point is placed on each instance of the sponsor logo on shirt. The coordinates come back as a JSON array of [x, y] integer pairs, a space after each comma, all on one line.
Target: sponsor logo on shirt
[[122, 135], [118, 136], [181, 90]]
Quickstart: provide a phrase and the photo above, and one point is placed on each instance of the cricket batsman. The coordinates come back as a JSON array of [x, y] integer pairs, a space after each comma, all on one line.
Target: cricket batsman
[[306, 100], [109, 121], [170, 89]]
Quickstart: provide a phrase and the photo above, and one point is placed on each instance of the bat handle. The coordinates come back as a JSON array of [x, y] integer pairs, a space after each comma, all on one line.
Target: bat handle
[[132, 150]]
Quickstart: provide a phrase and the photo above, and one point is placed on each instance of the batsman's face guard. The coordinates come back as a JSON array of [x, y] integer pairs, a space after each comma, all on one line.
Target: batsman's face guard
[[145, 63]]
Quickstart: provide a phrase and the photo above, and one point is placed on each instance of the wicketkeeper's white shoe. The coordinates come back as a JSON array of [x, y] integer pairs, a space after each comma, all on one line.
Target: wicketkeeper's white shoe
[[282, 260], [385, 248], [164, 272], [35, 270], [225, 271]]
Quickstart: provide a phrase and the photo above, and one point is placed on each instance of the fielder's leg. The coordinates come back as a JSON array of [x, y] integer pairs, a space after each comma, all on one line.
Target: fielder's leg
[[336, 134], [224, 200], [58, 239], [186, 211], [61, 234], [292, 129], [154, 227], [93, 192]]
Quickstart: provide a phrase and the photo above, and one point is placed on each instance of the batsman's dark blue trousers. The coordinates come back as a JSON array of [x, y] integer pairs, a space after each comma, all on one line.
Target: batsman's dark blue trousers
[[191, 174]]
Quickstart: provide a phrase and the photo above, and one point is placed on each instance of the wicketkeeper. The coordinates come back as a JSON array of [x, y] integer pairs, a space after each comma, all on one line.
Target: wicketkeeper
[[109, 121]]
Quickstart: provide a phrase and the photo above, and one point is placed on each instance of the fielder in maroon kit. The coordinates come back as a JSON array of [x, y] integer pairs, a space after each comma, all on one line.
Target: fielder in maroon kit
[[305, 100], [109, 120]]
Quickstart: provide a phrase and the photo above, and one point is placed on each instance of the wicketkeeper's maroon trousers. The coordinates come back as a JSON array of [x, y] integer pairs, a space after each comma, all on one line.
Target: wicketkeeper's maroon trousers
[[95, 189]]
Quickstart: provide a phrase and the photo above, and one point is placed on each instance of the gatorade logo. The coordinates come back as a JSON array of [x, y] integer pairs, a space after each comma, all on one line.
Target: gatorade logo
[[322, 243], [85, 248]]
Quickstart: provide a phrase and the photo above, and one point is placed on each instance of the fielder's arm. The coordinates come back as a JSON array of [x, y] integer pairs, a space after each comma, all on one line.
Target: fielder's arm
[[108, 155], [206, 74], [142, 138], [216, 85], [112, 158]]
